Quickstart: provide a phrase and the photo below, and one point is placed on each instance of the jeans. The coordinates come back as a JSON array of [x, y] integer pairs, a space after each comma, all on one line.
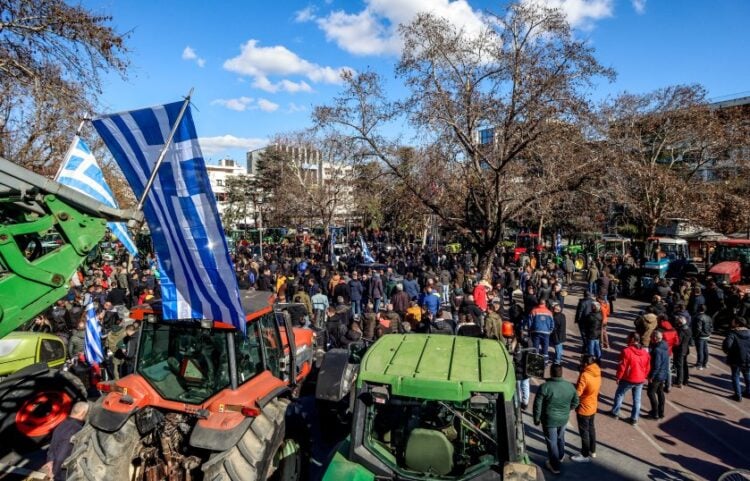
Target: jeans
[[357, 308], [737, 372], [588, 434], [701, 347], [595, 348], [540, 342], [555, 439], [376, 305], [558, 353], [592, 287], [524, 388], [622, 388], [656, 396]]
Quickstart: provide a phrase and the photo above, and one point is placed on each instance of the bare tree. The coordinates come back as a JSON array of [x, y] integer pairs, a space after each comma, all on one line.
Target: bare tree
[[52, 56], [661, 145], [484, 106]]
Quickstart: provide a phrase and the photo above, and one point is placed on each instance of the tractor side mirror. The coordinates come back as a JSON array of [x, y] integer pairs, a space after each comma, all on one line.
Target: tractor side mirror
[[534, 365]]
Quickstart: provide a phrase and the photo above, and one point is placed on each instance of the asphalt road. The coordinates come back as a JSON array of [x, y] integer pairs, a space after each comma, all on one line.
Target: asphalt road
[[703, 434]]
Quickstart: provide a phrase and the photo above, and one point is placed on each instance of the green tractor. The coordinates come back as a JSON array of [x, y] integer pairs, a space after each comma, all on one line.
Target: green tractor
[[430, 407]]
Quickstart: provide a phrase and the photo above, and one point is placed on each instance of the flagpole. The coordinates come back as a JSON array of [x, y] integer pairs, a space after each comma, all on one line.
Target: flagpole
[[70, 148], [163, 152]]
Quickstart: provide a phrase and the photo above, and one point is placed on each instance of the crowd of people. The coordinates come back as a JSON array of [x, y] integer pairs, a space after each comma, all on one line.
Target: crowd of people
[[414, 289]]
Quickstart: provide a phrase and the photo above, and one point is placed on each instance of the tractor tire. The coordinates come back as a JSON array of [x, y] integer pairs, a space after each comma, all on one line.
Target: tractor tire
[[32, 407], [99, 455], [261, 454], [631, 286]]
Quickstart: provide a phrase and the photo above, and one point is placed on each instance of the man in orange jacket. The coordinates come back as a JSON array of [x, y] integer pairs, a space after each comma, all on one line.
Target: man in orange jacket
[[587, 387]]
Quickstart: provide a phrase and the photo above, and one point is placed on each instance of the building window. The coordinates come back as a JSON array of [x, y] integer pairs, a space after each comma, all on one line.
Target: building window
[[486, 136], [220, 183]]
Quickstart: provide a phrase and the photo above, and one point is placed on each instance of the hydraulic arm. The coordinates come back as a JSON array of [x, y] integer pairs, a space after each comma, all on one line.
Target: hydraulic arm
[[31, 206]]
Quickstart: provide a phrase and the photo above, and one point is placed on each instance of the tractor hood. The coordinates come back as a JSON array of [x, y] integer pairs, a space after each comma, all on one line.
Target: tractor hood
[[730, 270], [449, 368]]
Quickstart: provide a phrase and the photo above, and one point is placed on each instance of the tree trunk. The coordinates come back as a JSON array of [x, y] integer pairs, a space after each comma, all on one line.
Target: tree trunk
[[486, 259]]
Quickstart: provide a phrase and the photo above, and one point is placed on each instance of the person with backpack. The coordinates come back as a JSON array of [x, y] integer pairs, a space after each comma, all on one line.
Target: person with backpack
[[737, 348]]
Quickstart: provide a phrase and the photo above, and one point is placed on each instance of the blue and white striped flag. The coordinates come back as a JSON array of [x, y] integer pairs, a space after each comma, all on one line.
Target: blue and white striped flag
[[366, 256], [196, 274], [81, 172], [93, 345]]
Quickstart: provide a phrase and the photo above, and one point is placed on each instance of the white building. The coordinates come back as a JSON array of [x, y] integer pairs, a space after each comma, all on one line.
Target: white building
[[218, 174]]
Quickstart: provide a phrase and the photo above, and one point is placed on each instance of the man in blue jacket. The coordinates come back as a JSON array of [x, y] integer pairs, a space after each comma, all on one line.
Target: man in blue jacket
[[356, 289], [657, 378], [430, 301], [541, 325]]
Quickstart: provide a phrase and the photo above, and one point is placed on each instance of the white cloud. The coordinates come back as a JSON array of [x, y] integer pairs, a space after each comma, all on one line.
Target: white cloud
[[239, 104], [215, 145], [293, 107], [189, 54], [374, 30], [580, 13], [267, 106], [639, 6], [261, 62], [305, 15]]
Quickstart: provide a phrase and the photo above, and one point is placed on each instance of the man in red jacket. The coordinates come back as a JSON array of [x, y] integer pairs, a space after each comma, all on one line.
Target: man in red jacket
[[632, 374], [480, 294]]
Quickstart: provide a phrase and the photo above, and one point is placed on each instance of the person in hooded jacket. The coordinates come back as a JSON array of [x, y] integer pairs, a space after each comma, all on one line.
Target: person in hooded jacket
[[558, 337], [588, 386], [632, 373], [645, 325], [737, 347], [582, 310], [657, 378], [591, 328]]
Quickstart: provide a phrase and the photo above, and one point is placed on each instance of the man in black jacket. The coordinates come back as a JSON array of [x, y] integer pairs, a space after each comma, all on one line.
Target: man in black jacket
[[681, 351], [703, 327], [558, 335], [737, 347], [584, 308]]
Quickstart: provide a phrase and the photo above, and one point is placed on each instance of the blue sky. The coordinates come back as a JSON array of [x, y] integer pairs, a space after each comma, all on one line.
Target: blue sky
[[258, 68]]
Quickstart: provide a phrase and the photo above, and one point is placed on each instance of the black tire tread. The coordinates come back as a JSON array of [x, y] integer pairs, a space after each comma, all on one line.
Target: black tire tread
[[98, 455], [249, 459]]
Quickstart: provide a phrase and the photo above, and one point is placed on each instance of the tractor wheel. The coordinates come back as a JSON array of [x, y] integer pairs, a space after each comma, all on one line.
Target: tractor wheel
[[100, 455], [261, 454], [32, 408], [631, 286]]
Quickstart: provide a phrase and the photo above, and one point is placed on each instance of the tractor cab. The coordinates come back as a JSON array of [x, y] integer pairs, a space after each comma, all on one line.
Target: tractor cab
[[613, 247], [526, 243], [731, 261], [421, 412], [665, 256]]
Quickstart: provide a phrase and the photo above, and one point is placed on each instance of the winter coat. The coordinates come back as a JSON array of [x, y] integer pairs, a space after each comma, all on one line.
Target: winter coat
[[559, 334], [593, 275], [587, 388], [659, 362], [553, 402], [77, 342], [703, 326], [683, 341], [541, 321], [376, 287], [304, 299], [411, 287], [737, 347], [634, 366], [400, 301], [342, 290], [602, 284], [645, 326], [355, 290], [591, 325], [584, 308], [669, 335], [431, 302], [480, 297]]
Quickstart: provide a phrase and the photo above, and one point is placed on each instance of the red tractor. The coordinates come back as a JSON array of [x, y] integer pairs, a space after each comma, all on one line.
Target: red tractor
[[204, 402], [526, 243], [731, 261]]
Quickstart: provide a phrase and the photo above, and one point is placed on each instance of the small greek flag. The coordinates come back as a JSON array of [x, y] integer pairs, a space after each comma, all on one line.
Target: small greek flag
[[366, 251], [81, 172], [93, 346], [195, 272]]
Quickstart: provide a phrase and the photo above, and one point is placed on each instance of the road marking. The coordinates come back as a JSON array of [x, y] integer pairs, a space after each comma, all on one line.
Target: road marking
[[6, 469], [650, 439]]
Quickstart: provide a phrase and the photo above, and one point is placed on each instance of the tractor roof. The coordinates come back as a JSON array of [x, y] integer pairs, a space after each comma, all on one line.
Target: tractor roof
[[438, 367]]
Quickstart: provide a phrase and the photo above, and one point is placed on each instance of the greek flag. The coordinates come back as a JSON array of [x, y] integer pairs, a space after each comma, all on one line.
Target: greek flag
[[93, 346], [366, 256], [196, 274], [81, 172]]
